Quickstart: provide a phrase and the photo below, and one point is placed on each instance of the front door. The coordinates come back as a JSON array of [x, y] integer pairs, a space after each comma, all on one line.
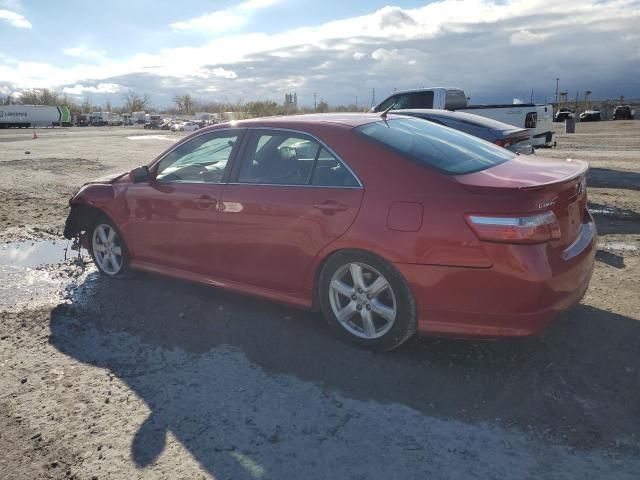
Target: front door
[[288, 198], [173, 218]]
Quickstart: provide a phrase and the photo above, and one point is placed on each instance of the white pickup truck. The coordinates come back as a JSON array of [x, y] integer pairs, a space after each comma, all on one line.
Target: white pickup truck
[[537, 118]]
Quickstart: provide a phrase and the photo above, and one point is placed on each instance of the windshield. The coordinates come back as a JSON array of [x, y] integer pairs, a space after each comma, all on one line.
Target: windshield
[[430, 144]]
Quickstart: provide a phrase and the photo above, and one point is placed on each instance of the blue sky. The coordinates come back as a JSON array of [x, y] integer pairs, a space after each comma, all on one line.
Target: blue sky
[[260, 49]]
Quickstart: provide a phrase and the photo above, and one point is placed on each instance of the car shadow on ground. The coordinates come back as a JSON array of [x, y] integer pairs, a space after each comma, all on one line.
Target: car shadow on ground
[[576, 384], [607, 178], [611, 259]]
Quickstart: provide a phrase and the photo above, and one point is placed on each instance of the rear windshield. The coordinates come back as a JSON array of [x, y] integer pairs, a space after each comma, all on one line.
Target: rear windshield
[[430, 144], [454, 99]]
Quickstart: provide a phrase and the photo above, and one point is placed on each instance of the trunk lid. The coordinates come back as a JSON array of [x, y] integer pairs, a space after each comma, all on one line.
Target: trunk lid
[[530, 183]]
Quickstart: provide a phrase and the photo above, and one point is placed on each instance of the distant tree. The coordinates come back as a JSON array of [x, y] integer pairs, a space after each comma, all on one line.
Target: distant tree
[[264, 108], [107, 106], [323, 107], [184, 103], [86, 107], [134, 102], [39, 97]]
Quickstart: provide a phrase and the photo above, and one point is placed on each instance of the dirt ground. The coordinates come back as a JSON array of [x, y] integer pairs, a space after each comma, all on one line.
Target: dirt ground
[[155, 378]]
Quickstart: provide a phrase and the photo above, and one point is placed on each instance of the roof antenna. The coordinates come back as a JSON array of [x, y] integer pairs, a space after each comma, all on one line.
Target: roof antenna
[[384, 113]]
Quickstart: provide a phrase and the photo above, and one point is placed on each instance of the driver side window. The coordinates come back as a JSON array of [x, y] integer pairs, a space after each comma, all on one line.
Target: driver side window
[[202, 159]]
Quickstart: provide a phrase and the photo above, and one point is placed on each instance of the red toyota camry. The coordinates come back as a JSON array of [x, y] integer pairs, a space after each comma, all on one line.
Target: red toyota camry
[[390, 225]]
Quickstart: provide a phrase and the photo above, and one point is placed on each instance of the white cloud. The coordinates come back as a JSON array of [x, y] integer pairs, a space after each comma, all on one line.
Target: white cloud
[[14, 19], [80, 89], [386, 49], [525, 37], [85, 53], [227, 19], [221, 72], [254, 4]]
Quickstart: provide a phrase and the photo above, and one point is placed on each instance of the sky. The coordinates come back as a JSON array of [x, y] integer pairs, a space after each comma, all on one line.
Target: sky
[[237, 51]]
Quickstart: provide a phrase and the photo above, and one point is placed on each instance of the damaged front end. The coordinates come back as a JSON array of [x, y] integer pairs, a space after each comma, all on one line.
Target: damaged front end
[[80, 218], [87, 204]]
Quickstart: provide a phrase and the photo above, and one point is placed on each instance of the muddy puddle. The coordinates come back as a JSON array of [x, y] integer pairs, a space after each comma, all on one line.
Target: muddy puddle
[[612, 212], [39, 272], [620, 247]]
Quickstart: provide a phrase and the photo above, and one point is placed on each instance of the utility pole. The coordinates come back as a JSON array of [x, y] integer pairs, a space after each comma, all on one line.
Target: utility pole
[[356, 102], [315, 103], [557, 99]]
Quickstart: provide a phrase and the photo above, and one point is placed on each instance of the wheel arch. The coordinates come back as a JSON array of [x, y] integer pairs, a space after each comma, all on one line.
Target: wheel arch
[[81, 217], [322, 261]]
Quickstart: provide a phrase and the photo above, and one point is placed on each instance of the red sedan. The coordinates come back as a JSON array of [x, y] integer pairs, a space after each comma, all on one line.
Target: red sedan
[[390, 225]]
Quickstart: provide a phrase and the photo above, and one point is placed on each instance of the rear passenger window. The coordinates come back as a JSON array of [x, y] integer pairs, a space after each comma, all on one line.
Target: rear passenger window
[[418, 100], [455, 99], [284, 158], [331, 172], [279, 159], [408, 100]]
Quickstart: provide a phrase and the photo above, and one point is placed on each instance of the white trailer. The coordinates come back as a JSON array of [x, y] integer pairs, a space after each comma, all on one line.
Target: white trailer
[[24, 116], [102, 119], [139, 117], [114, 119]]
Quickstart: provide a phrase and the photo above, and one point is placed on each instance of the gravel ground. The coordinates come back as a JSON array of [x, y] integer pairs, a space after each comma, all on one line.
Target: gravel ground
[[156, 378]]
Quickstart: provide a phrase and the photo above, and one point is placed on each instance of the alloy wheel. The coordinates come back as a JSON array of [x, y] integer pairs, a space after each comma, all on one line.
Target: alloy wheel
[[362, 300], [107, 249]]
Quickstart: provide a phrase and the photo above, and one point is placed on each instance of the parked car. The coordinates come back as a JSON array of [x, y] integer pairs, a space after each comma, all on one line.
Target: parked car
[[562, 114], [518, 140], [184, 127], [388, 225], [623, 112], [537, 118], [154, 122], [590, 116]]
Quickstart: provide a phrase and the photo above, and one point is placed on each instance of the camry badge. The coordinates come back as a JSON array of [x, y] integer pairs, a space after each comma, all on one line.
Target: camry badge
[[546, 204]]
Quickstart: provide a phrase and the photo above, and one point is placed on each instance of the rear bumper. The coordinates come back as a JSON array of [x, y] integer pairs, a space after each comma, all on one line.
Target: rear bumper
[[544, 139], [516, 297]]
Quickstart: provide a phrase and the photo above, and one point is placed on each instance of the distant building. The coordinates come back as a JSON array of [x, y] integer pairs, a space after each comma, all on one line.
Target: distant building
[[291, 100]]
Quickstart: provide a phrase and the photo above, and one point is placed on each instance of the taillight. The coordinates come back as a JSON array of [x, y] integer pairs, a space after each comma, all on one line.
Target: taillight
[[531, 120], [503, 143], [537, 228]]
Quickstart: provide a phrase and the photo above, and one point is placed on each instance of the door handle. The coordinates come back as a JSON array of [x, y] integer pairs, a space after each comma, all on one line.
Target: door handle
[[206, 202], [331, 206]]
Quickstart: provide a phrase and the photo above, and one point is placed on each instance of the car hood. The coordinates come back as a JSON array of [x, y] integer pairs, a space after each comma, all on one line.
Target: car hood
[[111, 178]]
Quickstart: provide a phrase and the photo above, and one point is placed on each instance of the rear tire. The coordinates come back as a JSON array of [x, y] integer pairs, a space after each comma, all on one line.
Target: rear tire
[[366, 300], [108, 249]]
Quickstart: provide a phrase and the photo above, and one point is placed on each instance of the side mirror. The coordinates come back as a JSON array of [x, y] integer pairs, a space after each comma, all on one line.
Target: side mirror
[[139, 175]]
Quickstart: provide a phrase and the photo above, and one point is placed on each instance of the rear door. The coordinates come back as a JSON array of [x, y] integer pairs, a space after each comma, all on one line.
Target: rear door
[[289, 196], [173, 218]]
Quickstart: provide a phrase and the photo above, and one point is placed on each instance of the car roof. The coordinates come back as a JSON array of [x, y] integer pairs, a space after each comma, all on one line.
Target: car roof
[[306, 120], [461, 116], [413, 90]]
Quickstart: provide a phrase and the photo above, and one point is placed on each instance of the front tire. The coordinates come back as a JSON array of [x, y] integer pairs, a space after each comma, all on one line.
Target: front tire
[[108, 250], [367, 301]]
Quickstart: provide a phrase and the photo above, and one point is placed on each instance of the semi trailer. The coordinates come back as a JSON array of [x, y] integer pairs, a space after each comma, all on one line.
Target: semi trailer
[[25, 116]]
